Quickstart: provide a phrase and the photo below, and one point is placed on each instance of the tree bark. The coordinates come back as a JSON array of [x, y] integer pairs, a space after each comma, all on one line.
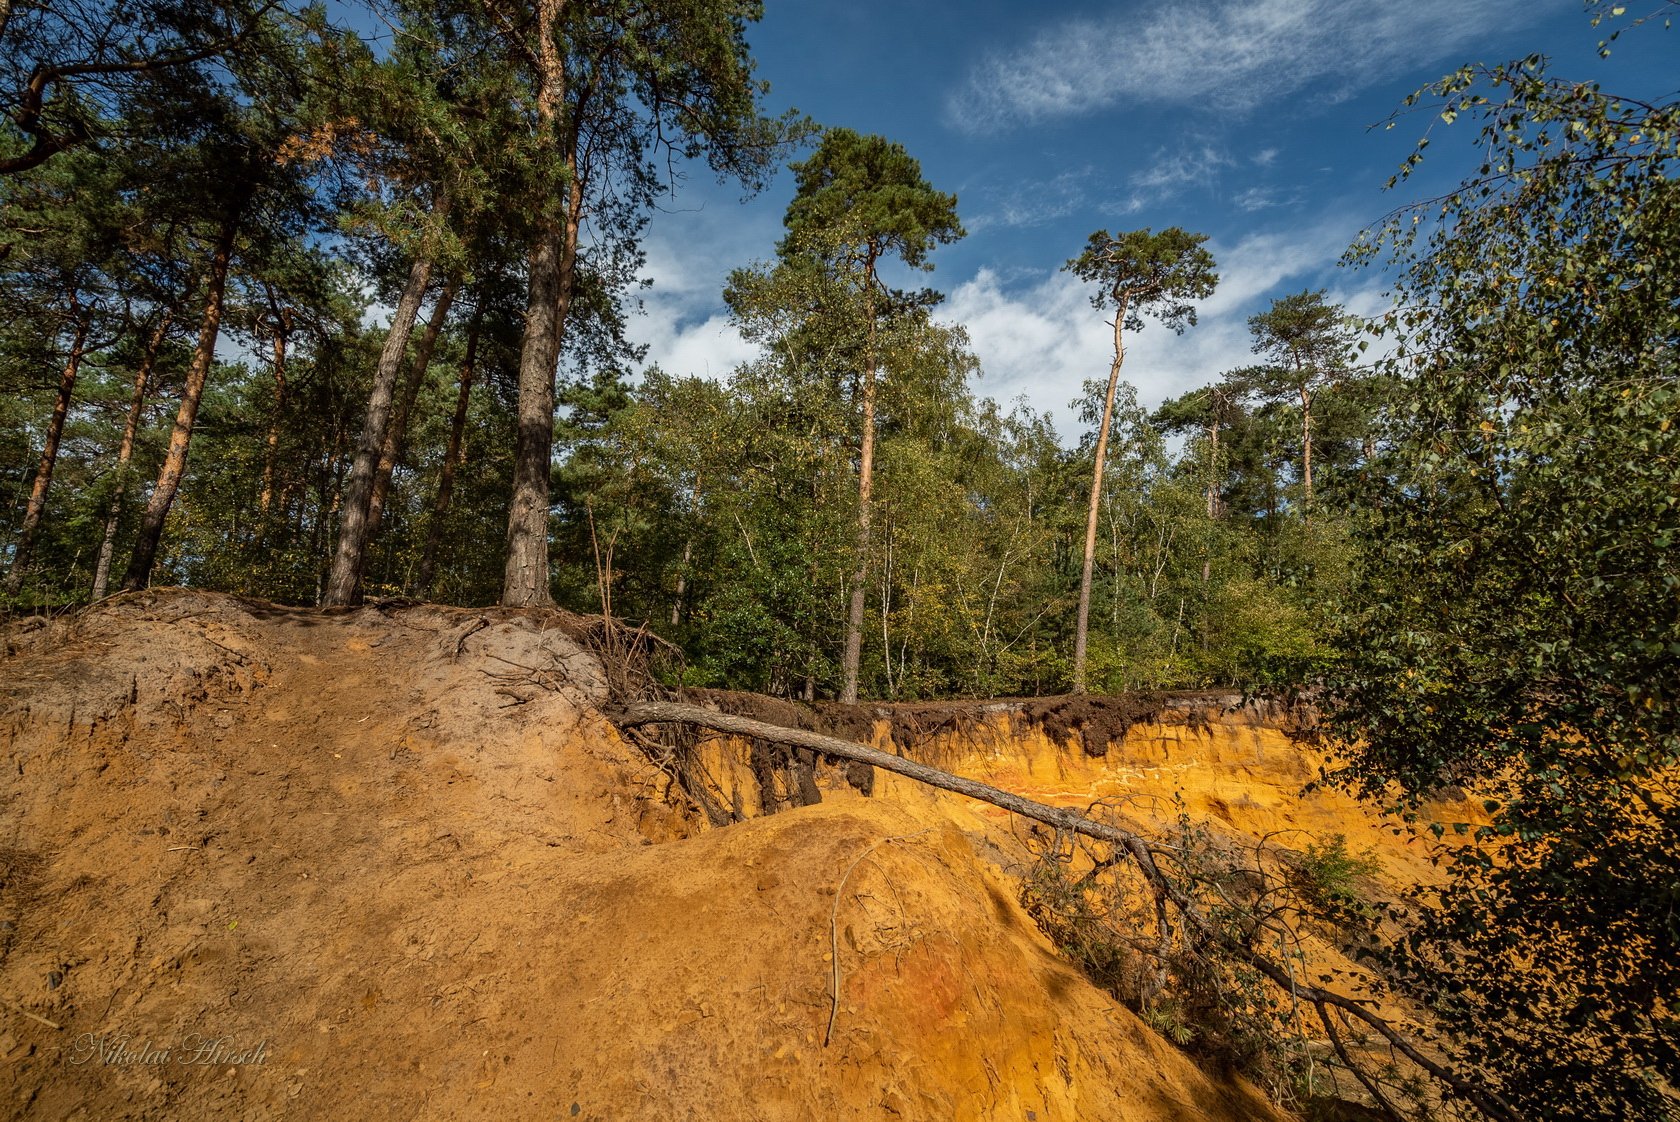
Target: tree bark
[[452, 458], [687, 557], [396, 434], [49, 451], [669, 712], [175, 459], [1213, 470], [682, 582], [125, 454], [1306, 449], [329, 487], [271, 446], [1080, 630], [1212, 499], [344, 580], [866, 487], [548, 300]]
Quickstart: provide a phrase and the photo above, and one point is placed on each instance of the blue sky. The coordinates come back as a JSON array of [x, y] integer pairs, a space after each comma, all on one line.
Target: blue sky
[[1247, 120]]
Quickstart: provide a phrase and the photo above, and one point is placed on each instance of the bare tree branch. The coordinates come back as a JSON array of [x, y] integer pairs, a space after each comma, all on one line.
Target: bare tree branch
[[31, 103]]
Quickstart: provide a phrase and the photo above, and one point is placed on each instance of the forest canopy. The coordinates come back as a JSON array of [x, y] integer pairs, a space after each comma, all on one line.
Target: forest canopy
[[200, 216]]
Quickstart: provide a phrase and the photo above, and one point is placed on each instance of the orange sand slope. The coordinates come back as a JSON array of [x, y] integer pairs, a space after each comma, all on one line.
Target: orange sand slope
[[393, 863]]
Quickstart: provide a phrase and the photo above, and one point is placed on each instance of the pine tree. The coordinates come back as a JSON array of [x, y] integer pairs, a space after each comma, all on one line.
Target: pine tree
[[1139, 273]]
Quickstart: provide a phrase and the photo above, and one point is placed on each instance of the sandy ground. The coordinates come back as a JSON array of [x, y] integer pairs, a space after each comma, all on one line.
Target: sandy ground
[[259, 862]]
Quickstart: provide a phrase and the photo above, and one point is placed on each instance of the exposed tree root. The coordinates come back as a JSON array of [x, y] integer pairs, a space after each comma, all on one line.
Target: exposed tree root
[[1144, 851]]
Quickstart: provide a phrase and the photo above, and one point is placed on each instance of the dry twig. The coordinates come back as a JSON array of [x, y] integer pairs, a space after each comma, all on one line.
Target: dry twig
[[834, 928]]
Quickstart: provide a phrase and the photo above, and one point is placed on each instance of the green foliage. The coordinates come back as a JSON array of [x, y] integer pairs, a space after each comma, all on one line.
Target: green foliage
[[1148, 274], [1305, 337], [1140, 273], [1492, 515], [1101, 913], [1260, 634], [1515, 629], [1327, 876], [724, 514], [70, 72], [862, 199]]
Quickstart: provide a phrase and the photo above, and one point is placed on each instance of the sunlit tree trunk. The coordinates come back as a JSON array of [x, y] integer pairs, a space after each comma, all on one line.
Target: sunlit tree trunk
[[688, 554], [125, 454], [330, 490], [453, 456], [1306, 448], [396, 434], [49, 450], [271, 446], [175, 459], [344, 578], [1212, 495], [866, 488], [1084, 621], [1213, 470], [549, 296]]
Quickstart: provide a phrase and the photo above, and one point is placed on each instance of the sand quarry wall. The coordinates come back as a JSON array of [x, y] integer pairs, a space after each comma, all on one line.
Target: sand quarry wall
[[1234, 765], [260, 862]]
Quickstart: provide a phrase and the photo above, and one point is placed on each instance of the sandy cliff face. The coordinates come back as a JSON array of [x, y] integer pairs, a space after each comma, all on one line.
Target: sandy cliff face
[[1232, 765], [271, 863]]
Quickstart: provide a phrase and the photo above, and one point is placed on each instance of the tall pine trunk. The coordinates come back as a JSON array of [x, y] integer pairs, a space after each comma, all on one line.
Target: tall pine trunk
[[396, 435], [49, 451], [1306, 449], [687, 557], [866, 490], [1212, 497], [860, 575], [125, 455], [344, 579], [549, 296], [329, 487], [1081, 628], [152, 523], [453, 456], [175, 459], [271, 445], [1213, 470], [682, 582]]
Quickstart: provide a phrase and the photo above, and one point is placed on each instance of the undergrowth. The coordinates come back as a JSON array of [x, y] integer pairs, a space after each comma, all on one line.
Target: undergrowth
[[1096, 907]]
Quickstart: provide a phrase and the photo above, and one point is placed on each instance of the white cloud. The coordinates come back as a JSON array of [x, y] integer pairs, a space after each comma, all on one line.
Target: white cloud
[[1173, 171], [1228, 55], [1259, 198], [1182, 167], [1043, 340], [1260, 262], [708, 348], [690, 255], [1037, 202], [1046, 341], [1035, 333], [1034, 202]]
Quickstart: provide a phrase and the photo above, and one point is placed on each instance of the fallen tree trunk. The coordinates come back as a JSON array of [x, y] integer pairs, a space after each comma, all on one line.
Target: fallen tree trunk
[[1141, 849], [670, 712]]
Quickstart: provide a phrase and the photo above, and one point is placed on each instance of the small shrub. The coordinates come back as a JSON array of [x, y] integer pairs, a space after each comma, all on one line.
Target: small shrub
[[1326, 877]]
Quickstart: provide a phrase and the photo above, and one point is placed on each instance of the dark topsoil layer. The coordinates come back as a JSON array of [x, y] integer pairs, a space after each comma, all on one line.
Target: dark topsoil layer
[[1094, 722]]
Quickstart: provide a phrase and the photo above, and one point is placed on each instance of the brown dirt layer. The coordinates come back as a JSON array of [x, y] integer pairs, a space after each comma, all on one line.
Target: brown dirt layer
[[1092, 723]]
